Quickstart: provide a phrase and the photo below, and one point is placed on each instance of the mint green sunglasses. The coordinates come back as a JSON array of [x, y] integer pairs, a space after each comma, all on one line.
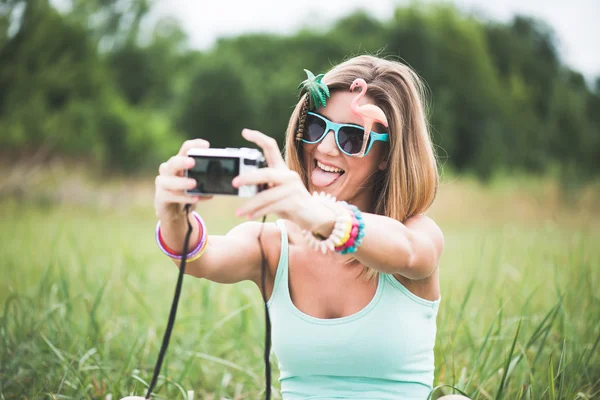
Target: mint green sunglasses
[[350, 139]]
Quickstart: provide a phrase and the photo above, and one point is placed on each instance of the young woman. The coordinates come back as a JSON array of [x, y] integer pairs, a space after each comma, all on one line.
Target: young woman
[[355, 319]]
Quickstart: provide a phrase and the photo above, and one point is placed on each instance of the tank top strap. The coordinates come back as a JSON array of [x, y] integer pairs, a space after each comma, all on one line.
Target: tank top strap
[[281, 276]]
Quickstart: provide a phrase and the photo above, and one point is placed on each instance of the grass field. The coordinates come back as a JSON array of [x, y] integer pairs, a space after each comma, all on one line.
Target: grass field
[[85, 294]]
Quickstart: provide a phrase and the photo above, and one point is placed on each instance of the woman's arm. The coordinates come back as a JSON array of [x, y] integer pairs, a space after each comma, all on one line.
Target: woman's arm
[[412, 249], [227, 259], [232, 258]]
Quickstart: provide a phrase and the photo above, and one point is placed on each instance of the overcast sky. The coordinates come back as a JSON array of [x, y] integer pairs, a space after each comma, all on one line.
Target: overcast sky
[[576, 22]]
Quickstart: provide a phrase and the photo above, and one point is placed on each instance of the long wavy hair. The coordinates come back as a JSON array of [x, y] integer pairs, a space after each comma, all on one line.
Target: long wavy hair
[[408, 186]]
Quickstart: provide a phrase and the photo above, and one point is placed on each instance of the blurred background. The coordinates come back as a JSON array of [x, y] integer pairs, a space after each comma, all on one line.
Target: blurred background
[[119, 84], [95, 94]]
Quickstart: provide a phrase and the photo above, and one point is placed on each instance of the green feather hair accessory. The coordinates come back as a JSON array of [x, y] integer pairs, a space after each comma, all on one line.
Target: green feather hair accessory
[[317, 90]]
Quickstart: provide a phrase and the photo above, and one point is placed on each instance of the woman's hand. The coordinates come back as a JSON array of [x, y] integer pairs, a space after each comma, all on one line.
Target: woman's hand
[[171, 183], [287, 197]]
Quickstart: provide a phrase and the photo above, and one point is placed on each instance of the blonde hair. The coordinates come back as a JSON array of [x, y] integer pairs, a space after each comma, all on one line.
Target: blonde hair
[[410, 181], [407, 187]]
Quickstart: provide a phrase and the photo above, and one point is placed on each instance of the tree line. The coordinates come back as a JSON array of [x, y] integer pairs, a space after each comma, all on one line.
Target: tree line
[[88, 82]]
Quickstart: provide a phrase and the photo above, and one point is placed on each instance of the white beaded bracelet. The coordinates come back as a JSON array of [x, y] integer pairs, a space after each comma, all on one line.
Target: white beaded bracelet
[[342, 220]]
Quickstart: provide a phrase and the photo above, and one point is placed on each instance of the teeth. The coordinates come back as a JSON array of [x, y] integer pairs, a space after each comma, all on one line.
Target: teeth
[[328, 168]]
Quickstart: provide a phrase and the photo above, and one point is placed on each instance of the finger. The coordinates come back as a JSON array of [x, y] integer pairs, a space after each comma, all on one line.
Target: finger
[[169, 197], [274, 208], [268, 145], [265, 175], [176, 183], [176, 165], [262, 200], [168, 194], [193, 144]]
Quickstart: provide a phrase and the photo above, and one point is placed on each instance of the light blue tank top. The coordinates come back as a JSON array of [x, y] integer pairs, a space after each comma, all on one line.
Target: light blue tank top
[[383, 352]]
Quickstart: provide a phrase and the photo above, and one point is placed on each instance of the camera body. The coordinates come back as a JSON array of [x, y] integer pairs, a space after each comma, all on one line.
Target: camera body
[[216, 168]]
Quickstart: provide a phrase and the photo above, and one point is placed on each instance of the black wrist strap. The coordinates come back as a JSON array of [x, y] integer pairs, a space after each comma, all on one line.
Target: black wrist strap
[[174, 304], [173, 312], [263, 285]]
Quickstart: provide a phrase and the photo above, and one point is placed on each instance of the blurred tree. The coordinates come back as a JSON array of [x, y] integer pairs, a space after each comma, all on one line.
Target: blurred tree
[[359, 33], [272, 69], [218, 105], [110, 23], [39, 78], [57, 95], [527, 62], [450, 52], [148, 75]]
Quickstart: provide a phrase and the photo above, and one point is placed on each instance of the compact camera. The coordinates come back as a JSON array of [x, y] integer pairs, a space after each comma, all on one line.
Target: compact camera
[[216, 168]]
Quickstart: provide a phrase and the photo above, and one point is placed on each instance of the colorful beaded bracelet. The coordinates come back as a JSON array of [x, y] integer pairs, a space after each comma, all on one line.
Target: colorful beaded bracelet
[[196, 251], [358, 231], [353, 233]]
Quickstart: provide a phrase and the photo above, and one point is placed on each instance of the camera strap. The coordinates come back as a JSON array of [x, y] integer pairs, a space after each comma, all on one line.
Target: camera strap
[[174, 304]]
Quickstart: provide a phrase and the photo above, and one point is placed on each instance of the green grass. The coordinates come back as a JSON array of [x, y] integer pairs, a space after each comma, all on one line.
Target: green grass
[[85, 294]]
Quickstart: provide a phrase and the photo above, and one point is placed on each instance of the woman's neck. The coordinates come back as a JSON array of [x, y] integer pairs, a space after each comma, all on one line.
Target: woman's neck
[[364, 200]]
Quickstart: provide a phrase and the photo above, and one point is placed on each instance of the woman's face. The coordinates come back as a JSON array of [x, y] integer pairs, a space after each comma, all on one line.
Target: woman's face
[[349, 178]]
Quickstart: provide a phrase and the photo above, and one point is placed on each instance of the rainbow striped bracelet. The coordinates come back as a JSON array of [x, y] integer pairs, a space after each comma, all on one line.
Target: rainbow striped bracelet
[[196, 251]]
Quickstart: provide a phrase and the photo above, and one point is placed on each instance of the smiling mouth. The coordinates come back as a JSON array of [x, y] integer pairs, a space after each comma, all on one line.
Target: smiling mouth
[[327, 168]]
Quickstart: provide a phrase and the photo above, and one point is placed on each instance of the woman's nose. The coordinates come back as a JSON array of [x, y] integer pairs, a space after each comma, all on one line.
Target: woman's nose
[[328, 145]]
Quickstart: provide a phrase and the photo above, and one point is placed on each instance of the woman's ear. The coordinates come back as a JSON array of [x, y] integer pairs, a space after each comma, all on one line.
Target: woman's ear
[[383, 164]]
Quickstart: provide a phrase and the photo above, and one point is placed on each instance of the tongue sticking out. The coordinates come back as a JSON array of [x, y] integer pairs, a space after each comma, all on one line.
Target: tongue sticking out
[[322, 178]]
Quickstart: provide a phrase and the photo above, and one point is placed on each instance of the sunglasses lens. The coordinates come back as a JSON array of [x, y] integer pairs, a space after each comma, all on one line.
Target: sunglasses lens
[[351, 139], [314, 127]]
